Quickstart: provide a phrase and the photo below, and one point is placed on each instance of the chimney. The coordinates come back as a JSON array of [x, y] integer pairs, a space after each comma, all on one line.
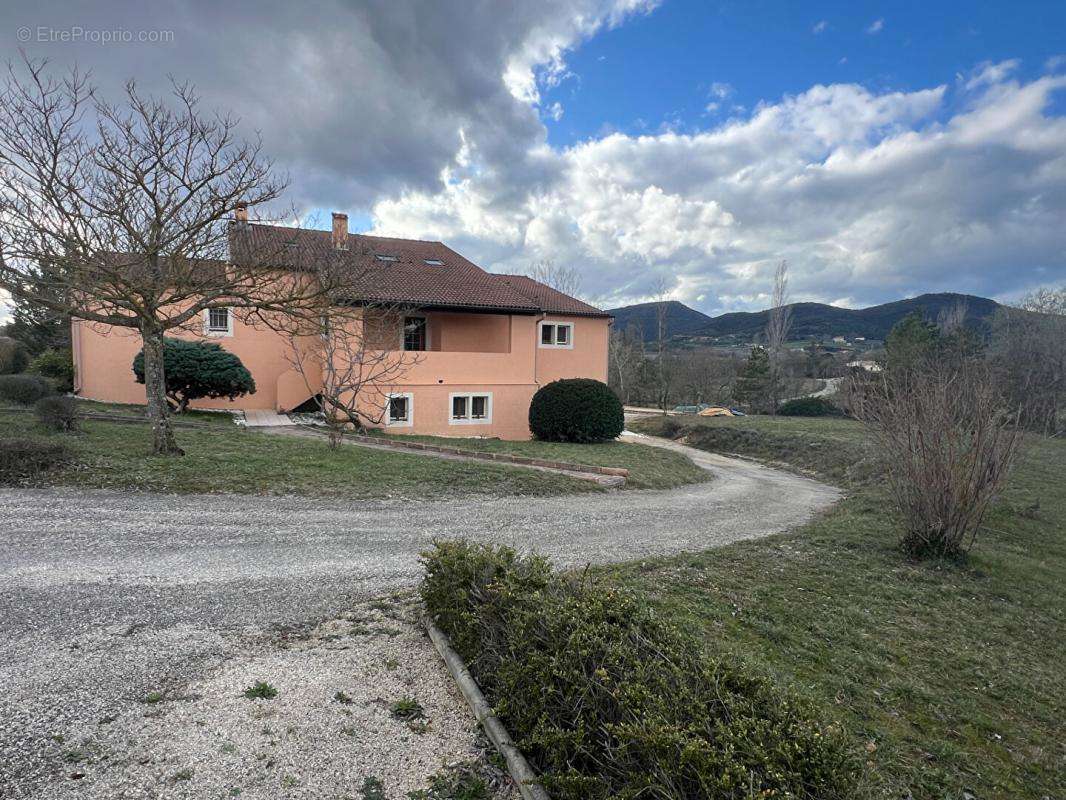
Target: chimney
[[240, 213], [340, 230]]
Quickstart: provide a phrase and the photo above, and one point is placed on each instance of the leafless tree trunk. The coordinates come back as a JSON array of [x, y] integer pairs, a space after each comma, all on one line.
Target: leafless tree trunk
[[121, 215], [563, 279], [626, 353], [662, 368], [948, 443], [778, 326], [350, 357]]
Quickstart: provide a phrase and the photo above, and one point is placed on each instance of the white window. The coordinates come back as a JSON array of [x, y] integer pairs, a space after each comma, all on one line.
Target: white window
[[218, 322], [557, 334], [473, 408], [401, 410]]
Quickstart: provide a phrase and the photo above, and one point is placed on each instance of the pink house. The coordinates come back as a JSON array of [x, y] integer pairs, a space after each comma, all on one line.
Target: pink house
[[484, 342]]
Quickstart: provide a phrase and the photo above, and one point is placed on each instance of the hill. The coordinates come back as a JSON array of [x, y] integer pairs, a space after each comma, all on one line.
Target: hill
[[680, 319], [809, 320]]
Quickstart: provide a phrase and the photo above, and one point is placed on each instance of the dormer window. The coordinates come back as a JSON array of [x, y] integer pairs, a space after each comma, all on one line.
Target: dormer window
[[433, 262], [383, 257]]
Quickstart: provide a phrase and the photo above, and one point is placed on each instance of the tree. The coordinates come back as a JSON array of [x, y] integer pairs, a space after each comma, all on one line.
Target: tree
[[199, 369], [563, 279], [120, 215], [1028, 353], [625, 358], [663, 373], [948, 441], [752, 385], [347, 355], [13, 356], [778, 326], [911, 341]]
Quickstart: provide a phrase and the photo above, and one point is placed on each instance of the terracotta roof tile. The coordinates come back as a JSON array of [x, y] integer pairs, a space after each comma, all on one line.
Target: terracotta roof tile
[[548, 299], [409, 275]]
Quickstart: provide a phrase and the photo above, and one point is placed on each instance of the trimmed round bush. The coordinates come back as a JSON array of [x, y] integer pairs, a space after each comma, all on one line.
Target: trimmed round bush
[[576, 410], [56, 364], [809, 407], [23, 389], [14, 357], [58, 412], [21, 459], [199, 369]]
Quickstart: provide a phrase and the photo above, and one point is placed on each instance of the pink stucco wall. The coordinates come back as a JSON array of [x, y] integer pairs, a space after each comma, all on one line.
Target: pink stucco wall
[[477, 353]]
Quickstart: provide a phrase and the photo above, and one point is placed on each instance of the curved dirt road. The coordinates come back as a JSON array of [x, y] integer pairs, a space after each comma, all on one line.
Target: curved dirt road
[[103, 595]]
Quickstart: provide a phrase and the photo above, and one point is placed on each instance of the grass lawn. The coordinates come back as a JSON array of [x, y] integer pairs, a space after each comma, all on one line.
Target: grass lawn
[[949, 677], [226, 458], [649, 467]]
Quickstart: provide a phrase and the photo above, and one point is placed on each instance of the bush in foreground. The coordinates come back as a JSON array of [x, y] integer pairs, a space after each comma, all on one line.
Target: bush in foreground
[[27, 458], [609, 701], [13, 356], [58, 412], [57, 365], [809, 407], [199, 369], [576, 410], [23, 389]]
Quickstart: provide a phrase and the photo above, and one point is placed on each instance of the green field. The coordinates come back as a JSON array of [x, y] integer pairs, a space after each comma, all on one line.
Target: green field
[[221, 457], [949, 677], [649, 467]]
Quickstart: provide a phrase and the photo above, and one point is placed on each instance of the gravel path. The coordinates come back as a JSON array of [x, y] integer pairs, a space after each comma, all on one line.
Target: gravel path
[[108, 596]]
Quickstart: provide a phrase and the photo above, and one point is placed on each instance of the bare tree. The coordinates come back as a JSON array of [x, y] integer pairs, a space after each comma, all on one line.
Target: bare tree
[[663, 372], [625, 356], [563, 279], [778, 327], [349, 356], [948, 442], [1028, 352], [1045, 301], [120, 215]]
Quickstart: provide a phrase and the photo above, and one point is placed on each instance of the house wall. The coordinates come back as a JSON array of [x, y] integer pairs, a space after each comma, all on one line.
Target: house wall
[[104, 365], [479, 353]]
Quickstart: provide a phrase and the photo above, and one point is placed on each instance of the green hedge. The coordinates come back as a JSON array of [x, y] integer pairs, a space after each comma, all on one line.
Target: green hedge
[[23, 389], [576, 410], [607, 700], [809, 407], [28, 458], [57, 364]]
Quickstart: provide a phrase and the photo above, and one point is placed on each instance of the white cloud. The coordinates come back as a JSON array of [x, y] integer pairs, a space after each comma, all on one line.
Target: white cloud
[[876, 26], [555, 111], [870, 196], [819, 27]]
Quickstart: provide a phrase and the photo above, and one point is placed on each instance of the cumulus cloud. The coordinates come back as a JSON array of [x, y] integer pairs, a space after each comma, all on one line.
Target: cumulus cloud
[[355, 100], [870, 195]]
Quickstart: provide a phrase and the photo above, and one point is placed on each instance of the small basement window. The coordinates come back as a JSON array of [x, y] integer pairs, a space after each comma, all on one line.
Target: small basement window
[[400, 410], [556, 334], [471, 409], [218, 321]]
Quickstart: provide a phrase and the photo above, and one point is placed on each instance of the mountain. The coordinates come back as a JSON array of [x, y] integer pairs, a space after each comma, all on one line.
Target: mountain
[[680, 319], [809, 320]]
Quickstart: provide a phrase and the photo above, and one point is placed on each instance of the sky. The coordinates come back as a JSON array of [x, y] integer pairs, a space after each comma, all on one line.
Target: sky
[[883, 149]]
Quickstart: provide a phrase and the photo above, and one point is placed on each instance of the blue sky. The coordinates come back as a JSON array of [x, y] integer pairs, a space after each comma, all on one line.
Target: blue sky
[[883, 150], [664, 68]]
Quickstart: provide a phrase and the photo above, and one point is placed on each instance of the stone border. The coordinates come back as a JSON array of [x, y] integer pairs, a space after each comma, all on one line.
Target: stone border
[[504, 458], [522, 774]]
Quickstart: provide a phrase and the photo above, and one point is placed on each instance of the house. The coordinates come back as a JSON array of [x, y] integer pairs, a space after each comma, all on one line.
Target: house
[[483, 342]]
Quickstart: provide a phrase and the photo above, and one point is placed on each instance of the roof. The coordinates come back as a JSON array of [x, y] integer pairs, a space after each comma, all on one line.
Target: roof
[[550, 300], [410, 276]]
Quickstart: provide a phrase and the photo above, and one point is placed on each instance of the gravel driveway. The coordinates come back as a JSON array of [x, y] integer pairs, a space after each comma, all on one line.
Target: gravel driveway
[[107, 596]]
